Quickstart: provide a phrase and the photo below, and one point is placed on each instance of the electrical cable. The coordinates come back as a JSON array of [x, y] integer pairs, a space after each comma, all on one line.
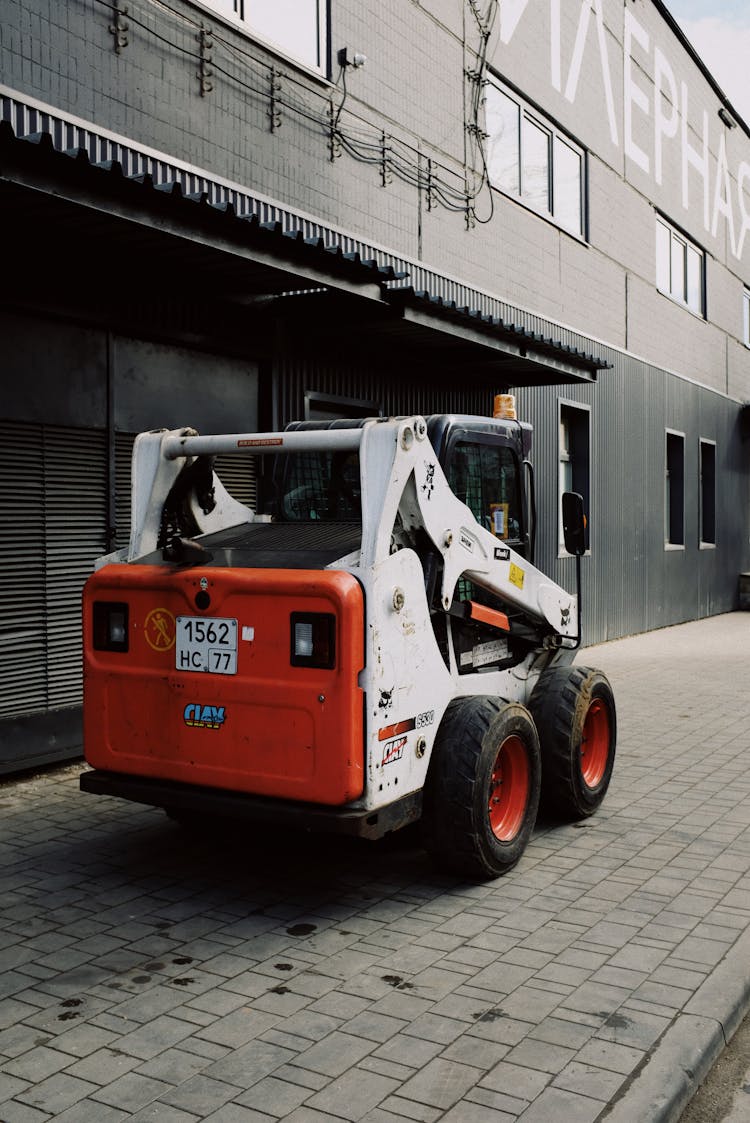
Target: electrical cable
[[373, 147]]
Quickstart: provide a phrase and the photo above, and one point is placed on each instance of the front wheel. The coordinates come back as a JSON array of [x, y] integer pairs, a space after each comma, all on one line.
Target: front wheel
[[574, 711], [482, 790]]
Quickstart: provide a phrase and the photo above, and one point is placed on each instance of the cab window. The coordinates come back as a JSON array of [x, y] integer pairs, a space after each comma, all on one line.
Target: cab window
[[321, 485], [485, 477]]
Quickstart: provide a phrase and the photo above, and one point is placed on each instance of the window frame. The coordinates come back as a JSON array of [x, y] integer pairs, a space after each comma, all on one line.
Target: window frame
[[581, 470], [678, 289], [746, 316], [671, 543], [529, 115], [492, 441], [706, 543], [238, 21], [320, 406]]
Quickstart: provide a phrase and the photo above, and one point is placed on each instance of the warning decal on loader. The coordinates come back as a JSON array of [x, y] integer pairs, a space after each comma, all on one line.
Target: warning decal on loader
[[516, 575], [484, 653], [159, 629]]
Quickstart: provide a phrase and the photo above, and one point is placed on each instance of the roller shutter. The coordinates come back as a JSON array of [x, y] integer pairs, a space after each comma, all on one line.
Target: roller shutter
[[52, 528], [239, 476], [23, 664], [75, 466]]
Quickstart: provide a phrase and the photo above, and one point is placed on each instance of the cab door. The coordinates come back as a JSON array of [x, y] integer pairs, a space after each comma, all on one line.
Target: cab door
[[484, 472]]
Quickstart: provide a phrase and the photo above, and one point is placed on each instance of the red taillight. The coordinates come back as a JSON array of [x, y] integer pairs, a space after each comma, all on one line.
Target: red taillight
[[110, 626], [313, 640]]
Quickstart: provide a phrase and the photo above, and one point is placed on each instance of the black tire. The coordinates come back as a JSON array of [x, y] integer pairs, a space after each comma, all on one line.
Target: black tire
[[467, 828], [575, 716]]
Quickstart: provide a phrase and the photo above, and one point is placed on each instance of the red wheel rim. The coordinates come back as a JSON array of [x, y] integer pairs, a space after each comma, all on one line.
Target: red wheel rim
[[509, 789], [595, 744]]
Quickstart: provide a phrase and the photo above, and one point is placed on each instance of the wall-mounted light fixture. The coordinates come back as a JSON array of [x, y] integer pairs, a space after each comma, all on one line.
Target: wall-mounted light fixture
[[726, 117]]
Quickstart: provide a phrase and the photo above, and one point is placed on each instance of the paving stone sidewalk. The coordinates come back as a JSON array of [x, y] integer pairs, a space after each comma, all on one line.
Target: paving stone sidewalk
[[150, 974]]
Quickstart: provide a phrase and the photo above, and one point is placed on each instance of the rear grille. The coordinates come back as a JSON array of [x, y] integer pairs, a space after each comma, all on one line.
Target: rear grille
[[291, 545]]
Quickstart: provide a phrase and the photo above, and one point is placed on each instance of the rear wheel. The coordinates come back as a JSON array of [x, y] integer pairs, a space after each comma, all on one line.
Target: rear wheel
[[482, 789], [574, 712]]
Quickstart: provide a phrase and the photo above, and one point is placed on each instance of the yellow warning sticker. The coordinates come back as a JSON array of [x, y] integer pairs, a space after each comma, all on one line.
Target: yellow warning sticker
[[159, 629], [516, 575]]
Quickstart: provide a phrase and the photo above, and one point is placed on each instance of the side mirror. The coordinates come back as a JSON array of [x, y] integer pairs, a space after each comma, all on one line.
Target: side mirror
[[574, 523]]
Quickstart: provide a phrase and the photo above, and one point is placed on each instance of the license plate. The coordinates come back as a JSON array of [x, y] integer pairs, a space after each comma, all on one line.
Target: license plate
[[206, 643]]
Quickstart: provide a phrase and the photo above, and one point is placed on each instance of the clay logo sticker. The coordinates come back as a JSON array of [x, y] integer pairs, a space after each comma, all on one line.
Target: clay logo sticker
[[204, 717], [159, 629], [394, 750]]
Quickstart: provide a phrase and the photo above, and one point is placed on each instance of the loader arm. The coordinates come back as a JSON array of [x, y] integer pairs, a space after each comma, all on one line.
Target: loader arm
[[402, 483], [469, 550], [415, 490]]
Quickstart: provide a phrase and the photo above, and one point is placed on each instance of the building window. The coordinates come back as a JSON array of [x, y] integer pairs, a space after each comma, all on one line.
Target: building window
[[530, 159], [674, 494], [574, 458], [297, 28], [746, 317], [332, 407], [680, 267], [708, 493]]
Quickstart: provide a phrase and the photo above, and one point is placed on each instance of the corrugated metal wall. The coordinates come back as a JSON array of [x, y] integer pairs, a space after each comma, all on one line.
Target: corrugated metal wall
[[395, 391], [632, 583]]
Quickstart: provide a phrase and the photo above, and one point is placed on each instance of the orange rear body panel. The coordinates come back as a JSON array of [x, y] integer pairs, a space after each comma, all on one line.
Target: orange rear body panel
[[271, 729]]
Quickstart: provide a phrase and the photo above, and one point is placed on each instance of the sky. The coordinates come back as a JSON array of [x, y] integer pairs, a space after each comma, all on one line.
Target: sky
[[719, 30]]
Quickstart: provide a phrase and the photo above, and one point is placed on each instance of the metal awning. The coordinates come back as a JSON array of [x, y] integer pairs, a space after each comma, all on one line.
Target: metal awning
[[523, 355], [135, 220]]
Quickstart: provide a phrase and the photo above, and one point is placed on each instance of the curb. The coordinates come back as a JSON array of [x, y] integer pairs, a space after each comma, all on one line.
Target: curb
[[684, 1055]]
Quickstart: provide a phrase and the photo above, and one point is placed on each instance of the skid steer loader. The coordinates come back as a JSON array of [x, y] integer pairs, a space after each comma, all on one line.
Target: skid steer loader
[[376, 648]]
